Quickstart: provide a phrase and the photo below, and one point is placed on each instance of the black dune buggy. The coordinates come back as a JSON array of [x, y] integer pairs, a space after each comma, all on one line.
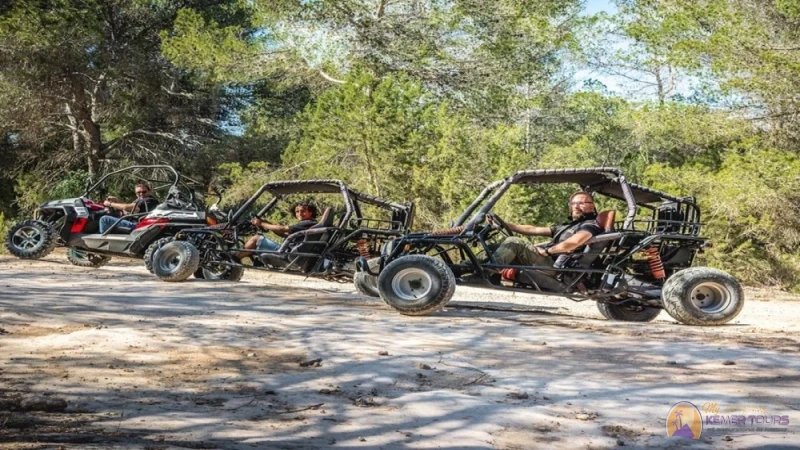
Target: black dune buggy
[[637, 267], [329, 249], [74, 222]]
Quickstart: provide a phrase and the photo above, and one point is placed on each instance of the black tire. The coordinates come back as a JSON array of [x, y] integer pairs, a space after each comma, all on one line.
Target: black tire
[[365, 283], [628, 313], [31, 239], [176, 261], [400, 279], [220, 273], [152, 249], [86, 259], [702, 296]]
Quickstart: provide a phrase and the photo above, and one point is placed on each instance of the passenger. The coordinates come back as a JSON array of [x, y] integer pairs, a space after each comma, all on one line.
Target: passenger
[[144, 203]]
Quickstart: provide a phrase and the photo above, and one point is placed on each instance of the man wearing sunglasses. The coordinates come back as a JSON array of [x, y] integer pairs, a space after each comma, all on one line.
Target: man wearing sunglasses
[[143, 204], [567, 237]]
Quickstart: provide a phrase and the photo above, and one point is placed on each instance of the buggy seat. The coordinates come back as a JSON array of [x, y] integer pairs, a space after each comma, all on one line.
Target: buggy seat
[[313, 240], [605, 220]]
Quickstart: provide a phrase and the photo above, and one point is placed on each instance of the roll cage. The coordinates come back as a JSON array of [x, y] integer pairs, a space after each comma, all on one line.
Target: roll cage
[[672, 229], [608, 181], [354, 235]]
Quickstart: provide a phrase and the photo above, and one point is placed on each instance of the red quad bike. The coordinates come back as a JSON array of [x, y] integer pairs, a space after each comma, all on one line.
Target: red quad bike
[[633, 270], [330, 249], [74, 222]]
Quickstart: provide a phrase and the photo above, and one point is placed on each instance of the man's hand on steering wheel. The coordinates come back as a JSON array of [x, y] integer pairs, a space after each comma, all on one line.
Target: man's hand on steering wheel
[[499, 224]]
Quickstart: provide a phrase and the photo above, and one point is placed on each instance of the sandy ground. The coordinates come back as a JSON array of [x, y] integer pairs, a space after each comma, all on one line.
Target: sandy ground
[[278, 361]]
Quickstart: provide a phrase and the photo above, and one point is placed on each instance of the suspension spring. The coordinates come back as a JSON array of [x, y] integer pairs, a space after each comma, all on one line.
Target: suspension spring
[[656, 265], [448, 231]]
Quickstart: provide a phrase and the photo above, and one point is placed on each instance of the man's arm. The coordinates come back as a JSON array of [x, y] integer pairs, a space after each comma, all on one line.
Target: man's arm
[[126, 207], [569, 245], [280, 230], [529, 230]]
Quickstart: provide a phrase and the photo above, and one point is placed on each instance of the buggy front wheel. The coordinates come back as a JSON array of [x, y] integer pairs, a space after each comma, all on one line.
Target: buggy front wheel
[[176, 261], [702, 296], [416, 285]]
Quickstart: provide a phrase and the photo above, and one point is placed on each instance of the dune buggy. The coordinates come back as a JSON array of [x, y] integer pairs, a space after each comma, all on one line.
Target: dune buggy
[[637, 267], [74, 222], [328, 250]]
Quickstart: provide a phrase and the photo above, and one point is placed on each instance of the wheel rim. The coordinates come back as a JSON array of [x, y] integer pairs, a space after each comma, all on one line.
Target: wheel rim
[[412, 284], [27, 238], [711, 297], [169, 260]]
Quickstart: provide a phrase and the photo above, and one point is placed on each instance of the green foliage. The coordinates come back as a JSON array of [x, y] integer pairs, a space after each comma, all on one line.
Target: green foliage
[[749, 211], [389, 137], [5, 226], [32, 190]]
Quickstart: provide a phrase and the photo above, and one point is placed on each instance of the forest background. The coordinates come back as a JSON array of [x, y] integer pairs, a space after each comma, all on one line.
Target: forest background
[[423, 100]]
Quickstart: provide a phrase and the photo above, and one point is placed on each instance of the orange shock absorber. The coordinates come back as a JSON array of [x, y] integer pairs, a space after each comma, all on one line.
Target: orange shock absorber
[[361, 245], [656, 265], [448, 231]]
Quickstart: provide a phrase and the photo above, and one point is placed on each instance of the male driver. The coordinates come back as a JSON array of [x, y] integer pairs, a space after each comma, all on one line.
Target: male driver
[[305, 213], [566, 237], [144, 203]]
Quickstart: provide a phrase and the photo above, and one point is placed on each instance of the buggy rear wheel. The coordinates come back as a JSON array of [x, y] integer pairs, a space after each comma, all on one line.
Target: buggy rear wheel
[[31, 239], [220, 273], [702, 296], [176, 261], [416, 285], [628, 313], [86, 259]]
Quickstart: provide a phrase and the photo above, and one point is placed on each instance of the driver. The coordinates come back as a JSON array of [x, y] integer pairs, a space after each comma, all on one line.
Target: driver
[[306, 215], [144, 203], [567, 237]]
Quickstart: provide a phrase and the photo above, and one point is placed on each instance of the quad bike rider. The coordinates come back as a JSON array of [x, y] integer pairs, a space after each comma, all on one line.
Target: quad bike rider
[[633, 268], [95, 231]]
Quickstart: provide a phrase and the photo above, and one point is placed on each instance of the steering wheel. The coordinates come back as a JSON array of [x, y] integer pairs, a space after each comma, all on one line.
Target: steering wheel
[[499, 224], [247, 228], [113, 212]]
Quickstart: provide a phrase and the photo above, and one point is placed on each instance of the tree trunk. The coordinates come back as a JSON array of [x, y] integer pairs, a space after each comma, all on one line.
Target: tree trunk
[[89, 130], [91, 135]]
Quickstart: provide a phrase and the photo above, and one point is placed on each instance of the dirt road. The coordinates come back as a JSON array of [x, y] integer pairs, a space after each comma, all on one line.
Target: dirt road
[[282, 362]]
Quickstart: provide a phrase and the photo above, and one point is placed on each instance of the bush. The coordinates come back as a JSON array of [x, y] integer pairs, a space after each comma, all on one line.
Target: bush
[[749, 212]]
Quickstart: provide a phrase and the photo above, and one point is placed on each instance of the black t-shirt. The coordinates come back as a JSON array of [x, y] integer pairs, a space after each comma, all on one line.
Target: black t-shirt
[[144, 205], [302, 225], [563, 232]]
